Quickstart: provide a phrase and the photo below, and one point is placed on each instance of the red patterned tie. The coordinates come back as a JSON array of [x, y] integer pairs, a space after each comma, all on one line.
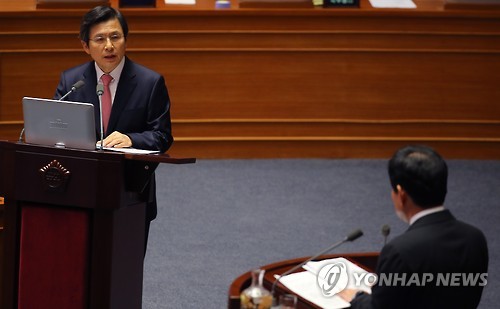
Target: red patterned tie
[[106, 100]]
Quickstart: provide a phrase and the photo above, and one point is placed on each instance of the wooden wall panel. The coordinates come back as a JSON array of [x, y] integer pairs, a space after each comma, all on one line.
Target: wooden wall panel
[[34, 74], [289, 83], [351, 85]]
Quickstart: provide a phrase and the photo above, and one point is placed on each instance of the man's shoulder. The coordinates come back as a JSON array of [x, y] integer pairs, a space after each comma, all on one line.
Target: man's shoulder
[[79, 68], [437, 225], [136, 68], [439, 237]]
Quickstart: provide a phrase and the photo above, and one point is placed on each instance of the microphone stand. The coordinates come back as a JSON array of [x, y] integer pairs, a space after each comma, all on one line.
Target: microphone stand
[[68, 93], [21, 136], [74, 87], [100, 91]]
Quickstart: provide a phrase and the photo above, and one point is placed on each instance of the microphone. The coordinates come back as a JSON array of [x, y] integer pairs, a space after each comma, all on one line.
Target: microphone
[[351, 237], [386, 230], [99, 89], [79, 84]]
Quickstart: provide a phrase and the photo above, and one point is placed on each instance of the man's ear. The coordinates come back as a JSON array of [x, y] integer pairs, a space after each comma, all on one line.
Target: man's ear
[[85, 47], [401, 194]]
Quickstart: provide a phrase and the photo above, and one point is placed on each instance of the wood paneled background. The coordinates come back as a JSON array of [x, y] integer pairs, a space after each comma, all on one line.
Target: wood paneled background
[[288, 83]]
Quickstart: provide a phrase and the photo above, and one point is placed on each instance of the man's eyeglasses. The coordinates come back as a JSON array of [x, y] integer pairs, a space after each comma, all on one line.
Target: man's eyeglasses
[[101, 39]]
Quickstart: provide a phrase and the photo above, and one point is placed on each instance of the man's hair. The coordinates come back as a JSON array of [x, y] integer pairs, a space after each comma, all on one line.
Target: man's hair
[[98, 15], [422, 173]]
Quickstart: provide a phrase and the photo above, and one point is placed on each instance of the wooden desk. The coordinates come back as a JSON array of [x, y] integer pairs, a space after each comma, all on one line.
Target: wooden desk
[[248, 83], [365, 260]]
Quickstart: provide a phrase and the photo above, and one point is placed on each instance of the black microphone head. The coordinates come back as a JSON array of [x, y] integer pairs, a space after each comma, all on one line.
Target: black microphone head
[[99, 89], [386, 230], [79, 84], [354, 235]]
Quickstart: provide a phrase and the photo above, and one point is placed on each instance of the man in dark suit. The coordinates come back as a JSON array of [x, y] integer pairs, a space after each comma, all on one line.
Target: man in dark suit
[[140, 106], [437, 250]]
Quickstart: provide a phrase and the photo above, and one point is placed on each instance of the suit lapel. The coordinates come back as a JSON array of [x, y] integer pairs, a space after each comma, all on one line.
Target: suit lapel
[[126, 86]]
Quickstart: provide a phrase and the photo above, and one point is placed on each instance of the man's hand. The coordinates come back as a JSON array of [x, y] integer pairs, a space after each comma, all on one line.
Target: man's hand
[[117, 140], [348, 294]]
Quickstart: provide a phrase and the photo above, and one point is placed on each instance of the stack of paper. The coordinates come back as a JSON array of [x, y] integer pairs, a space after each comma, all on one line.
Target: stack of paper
[[305, 284]]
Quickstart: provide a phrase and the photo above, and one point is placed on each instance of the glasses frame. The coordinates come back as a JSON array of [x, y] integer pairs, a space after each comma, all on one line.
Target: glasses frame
[[103, 39]]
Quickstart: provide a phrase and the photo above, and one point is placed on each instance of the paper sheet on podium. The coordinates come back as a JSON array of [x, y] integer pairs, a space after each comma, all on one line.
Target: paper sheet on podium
[[130, 150], [304, 284]]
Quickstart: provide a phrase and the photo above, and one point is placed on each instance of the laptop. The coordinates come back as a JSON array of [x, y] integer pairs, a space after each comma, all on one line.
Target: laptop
[[61, 124]]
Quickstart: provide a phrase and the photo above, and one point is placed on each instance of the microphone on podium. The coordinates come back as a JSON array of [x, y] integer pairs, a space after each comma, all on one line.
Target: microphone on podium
[[351, 237], [386, 230], [99, 89], [79, 84]]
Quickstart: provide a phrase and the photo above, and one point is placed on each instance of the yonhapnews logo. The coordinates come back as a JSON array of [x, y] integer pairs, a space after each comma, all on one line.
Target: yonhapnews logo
[[332, 278], [337, 274]]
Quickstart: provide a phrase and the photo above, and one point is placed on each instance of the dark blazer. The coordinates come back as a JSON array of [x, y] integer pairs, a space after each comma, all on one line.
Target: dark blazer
[[437, 243], [141, 109]]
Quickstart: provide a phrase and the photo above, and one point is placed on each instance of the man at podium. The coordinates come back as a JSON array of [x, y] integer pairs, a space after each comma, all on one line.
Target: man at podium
[[135, 100], [439, 262]]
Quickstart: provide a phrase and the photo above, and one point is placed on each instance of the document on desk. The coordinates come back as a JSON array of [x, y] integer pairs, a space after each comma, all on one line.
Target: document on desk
[[131, 150], [395, 4], [305, 284]]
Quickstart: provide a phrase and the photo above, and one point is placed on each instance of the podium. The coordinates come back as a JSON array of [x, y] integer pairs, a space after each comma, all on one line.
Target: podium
[[74, 226], [367, 261]]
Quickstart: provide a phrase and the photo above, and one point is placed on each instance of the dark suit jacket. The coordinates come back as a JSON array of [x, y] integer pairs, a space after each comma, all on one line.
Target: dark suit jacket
[[141, 109], [437, 243]]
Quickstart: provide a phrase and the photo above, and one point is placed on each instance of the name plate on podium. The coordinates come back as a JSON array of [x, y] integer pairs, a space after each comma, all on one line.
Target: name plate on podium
[[341, 3]]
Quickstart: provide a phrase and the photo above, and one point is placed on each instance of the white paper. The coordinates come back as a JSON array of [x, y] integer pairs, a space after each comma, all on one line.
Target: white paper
[[315, 266], [304, 284], [396, 4], [131, 150], [191, 2]]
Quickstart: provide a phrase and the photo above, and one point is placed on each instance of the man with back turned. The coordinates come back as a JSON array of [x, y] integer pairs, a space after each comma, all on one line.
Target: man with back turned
[[435, 247]]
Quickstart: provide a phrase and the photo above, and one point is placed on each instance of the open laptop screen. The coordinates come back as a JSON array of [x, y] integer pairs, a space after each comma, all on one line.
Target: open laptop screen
[[59, 123]]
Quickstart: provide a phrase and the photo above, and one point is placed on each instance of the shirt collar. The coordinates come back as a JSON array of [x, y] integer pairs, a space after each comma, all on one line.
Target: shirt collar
[[115, 73], [426, 212]]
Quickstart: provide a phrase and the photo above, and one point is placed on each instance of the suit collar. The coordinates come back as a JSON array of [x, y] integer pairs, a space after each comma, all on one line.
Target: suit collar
[[425, 212], [433, 218]]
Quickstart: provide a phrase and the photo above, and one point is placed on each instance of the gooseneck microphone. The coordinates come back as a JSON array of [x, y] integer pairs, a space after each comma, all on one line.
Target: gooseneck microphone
[[351, 237], [79, 84], [99, 89], [386, 230]]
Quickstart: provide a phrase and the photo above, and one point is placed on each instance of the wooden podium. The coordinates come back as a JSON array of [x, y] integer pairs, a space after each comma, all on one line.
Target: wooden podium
[[73, 226], [367, 261]]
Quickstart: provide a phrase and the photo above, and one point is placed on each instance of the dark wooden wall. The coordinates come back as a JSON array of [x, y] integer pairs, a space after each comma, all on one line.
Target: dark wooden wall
[[255, 83]]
